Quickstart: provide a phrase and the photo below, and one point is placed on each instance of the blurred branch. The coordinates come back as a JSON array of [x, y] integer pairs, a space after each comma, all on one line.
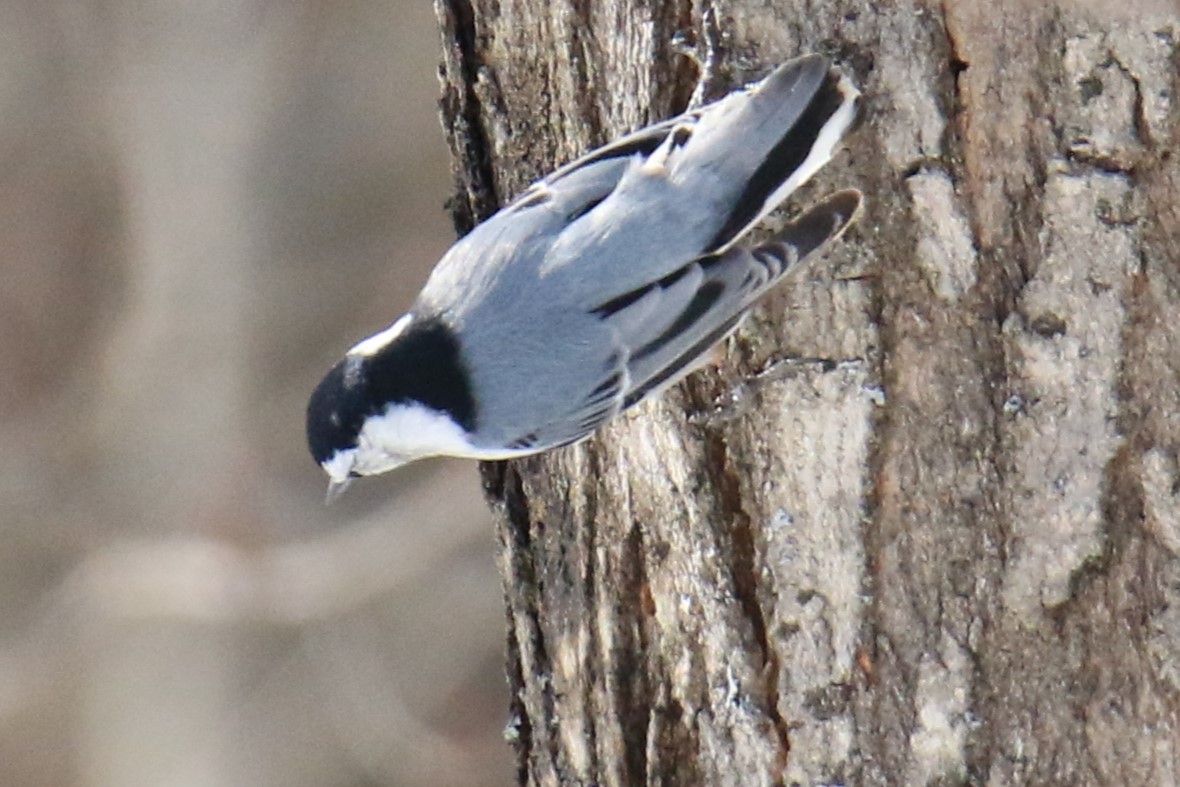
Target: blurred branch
[[210, 579]]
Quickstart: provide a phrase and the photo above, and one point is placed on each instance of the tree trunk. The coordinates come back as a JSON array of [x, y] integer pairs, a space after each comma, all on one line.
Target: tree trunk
[[922, 524]]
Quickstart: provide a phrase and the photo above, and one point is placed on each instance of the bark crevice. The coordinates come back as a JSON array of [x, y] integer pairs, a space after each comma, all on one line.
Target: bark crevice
[[462, 115], [745, 565]]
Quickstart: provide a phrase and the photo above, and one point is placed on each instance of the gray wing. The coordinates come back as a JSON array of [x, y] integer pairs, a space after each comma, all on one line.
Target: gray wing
[[729, 284], [664, 194], [527, 227], [713, 177], [578, 187], [711, 173], [663, 328]]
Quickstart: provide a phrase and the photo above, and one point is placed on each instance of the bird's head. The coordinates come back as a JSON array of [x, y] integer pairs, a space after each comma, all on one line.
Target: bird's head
[[397, 396]]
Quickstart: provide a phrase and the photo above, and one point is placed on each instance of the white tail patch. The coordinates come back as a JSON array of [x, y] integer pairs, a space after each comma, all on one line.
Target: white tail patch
[[820, 154]]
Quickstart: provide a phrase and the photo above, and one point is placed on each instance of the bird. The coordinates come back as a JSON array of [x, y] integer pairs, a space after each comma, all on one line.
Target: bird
[[599, 286]]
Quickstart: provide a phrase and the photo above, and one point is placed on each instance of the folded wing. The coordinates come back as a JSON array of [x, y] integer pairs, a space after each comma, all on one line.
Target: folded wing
[[664, 327]]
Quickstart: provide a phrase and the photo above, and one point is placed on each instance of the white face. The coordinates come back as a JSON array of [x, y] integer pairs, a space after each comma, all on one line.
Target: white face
[[405, 432]]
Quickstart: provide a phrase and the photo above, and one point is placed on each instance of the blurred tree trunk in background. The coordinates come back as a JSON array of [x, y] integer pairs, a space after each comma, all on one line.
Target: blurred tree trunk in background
[[201, 204], [922, 525]]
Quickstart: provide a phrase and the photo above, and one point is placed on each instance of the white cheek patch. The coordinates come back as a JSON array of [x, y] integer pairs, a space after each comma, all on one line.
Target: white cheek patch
[[411, 432], [340, 465], [375, 343], [400, 435]]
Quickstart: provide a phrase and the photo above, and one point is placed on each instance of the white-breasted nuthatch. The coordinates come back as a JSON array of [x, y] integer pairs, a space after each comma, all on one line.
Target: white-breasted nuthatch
[[600, 285]]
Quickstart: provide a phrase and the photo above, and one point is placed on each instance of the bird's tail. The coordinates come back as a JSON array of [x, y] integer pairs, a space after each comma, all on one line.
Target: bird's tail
[[754, 147]]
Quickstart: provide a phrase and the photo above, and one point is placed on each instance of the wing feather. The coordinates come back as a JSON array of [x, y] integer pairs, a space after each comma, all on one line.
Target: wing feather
[[581, 185], [666, 349], [663, 328]]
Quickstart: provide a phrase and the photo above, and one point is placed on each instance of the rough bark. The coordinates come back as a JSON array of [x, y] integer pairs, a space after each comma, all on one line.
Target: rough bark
[[922, 525]]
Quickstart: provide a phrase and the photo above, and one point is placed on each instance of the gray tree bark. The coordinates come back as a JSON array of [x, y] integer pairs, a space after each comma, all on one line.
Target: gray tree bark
[[922, 526]]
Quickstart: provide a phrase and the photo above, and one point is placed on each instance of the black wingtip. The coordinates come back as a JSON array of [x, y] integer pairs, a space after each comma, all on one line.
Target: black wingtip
[[807, 70], [841, 208], [827, 93], [820, 224]]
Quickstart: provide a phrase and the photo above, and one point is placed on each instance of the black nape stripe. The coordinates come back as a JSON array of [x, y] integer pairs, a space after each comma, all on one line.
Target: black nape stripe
[[783, 159], [424, 364]]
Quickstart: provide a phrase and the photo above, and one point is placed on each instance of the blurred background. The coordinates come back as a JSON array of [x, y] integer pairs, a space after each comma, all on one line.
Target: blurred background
[[202, 205]]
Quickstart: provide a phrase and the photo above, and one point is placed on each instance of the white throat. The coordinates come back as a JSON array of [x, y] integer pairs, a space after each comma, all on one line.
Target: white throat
[[403, 433]]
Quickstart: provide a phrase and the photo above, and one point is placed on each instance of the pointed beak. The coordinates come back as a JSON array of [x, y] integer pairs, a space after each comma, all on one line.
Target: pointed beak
[[336, 489]]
